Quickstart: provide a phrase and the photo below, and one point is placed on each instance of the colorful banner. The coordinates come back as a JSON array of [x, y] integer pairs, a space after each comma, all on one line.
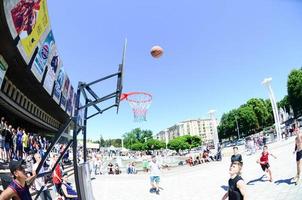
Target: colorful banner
[[3, 69], [39, 64], [65, 92], [27, 19], [54, 62], [58, 85], [70, 101]]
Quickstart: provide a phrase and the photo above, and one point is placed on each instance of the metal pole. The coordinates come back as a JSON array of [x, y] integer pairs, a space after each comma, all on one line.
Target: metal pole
[[237, 128], [85, 133], [75, 143]]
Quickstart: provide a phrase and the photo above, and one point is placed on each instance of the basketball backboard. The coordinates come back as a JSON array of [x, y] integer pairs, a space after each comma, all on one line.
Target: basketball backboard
[[119, 87]]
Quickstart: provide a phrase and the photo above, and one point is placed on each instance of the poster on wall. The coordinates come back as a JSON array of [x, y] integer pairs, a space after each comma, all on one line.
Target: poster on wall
[[58, 85], [65, 92], [28, 20], [39, 64], [69, 101], [53, 64], [74, 103], [3, 69]]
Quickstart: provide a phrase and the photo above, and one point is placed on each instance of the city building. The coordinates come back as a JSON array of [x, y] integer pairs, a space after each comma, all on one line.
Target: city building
[[198, 127]]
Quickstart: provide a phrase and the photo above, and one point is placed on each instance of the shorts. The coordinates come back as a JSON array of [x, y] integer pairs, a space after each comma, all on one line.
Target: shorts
[[26, 149], [19, 147], [299, 155], [2, 143], [155, 179], [265, 166], [58, 188], [7, 146]]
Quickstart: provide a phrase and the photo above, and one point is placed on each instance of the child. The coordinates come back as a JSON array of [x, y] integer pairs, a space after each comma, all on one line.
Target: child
[[236, 189], [263, 161], [154, 175]]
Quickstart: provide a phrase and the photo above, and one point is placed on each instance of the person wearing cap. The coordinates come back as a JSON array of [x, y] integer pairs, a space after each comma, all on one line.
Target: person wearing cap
[[19, 187]]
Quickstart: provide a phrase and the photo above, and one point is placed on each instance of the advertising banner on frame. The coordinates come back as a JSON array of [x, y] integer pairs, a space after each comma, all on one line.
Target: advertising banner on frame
[[70, 101], [28, 20], [39, 64], [64, 95], [3, 69], [58, 85], [53, 64]]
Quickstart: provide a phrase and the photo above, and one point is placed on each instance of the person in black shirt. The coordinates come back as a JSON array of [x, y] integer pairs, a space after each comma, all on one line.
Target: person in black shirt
[[236, 156], [237, 186]]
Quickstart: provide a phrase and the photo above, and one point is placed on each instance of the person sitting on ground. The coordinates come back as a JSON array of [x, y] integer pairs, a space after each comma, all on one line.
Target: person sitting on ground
[[205, 156], [19, 187], [116, 169], [68, 192], [236, 156], [190, 161], [110, 168], [133, 168]]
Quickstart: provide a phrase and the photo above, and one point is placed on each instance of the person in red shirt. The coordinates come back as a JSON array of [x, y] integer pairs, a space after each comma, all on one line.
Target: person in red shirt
[[263, 161], [57, 178]]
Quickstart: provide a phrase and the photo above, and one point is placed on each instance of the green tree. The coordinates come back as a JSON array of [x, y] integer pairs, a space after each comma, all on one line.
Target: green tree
[[227, 126], [260, 109], [137, 146], [184, 142], [154, 144], [270, 119], [247, 120], [294, 90], [136, 135], [102, 142], [178, 144]]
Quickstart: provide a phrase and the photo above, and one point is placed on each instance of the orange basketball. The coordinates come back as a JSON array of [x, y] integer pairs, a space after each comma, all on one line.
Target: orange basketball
[[157, 51]]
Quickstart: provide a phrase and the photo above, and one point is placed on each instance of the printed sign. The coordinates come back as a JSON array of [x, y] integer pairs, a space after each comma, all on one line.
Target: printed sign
[[27, 19], [42, 56], [3, 69]]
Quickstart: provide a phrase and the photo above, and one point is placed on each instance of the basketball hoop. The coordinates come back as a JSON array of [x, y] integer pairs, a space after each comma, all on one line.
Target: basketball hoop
[[139, 102]]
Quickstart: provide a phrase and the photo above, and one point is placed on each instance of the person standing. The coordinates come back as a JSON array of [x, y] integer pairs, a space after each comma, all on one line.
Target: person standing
[[298, 151], [2, 138], [154, 175], [237, 187], [19, 143], [57, 177], [236, 156], [25, 143], [8, 142], [263, 161], [40, 182]]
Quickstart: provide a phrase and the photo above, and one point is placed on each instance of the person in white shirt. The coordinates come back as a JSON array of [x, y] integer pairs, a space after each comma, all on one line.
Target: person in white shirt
[[154, 175], [40, 182]]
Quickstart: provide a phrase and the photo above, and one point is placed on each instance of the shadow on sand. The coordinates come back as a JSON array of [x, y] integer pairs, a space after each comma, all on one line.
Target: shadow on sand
[[287, 181], [252, 182], [224, 187]]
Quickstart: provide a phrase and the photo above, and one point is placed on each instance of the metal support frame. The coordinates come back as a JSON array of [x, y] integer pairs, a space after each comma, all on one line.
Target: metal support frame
[[85, 89]]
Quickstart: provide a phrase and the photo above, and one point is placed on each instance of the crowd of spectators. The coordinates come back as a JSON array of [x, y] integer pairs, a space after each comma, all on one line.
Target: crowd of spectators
[[18, 143]]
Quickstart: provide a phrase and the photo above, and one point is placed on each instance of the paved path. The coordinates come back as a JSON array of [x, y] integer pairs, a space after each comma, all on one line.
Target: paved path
[[208, 181]]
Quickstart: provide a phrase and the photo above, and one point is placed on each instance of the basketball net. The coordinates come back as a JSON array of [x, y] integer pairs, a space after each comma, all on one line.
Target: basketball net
[[140, 103]]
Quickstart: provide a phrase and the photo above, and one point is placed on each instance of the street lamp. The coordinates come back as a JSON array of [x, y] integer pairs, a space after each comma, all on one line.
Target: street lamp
[[267, 82], [214, 124], [237, 128]]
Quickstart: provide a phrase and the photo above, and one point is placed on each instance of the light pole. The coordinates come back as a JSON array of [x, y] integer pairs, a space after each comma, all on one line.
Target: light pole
[[237, 128], [214, 125], [267, 82]]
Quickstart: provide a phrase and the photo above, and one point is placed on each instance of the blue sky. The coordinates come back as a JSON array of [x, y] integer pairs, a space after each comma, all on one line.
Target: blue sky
[[216, 53]]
